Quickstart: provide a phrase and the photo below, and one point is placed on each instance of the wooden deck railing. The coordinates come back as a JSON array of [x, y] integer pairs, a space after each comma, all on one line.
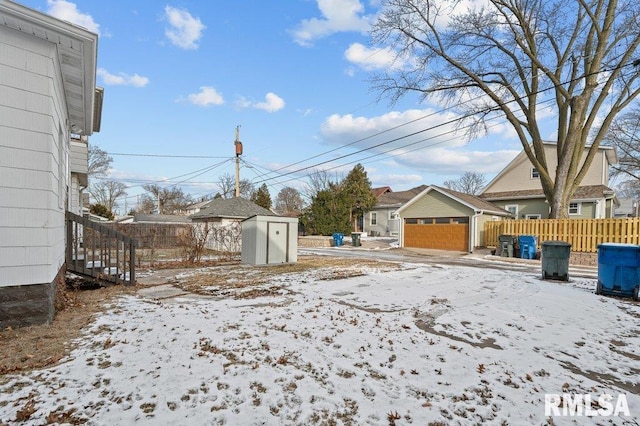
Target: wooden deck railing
[[99, 252], [584, 235]]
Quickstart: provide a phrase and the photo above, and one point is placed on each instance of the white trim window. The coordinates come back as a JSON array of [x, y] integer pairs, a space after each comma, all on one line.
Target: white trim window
[[535, 174], [373, 218], [513, 208], [574, 209], [533, 216]]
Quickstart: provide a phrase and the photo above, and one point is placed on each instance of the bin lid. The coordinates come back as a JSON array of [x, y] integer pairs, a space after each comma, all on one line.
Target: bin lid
[[618, 245], [506, 238], [556, 243]]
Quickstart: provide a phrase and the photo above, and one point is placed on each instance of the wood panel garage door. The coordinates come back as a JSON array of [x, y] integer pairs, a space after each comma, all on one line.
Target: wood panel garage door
[[441, 236]]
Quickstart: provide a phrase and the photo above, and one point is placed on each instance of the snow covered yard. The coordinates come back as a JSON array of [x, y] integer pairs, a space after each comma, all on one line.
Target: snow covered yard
[[425, 344]]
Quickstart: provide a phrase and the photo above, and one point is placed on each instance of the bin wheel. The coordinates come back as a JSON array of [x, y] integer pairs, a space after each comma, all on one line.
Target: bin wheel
[[599, 287], [636, 294]]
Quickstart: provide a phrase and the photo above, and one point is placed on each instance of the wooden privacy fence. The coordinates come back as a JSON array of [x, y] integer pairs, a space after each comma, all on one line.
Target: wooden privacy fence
[[584, 235]]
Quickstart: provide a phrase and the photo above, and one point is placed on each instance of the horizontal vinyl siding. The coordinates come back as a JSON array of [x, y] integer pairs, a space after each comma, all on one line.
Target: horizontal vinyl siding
[[435, 204], [32, 110], [79, 157], [519, 176]]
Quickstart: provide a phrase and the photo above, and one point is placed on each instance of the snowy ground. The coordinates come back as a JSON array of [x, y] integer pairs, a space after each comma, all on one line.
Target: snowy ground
[[428, 344]]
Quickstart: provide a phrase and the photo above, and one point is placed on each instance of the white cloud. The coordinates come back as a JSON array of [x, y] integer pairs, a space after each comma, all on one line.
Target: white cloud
[[421, 139], [122, 79], [68, 11], [373, 59], [337, 16], [184, 30], [207, 96], [272, 103]]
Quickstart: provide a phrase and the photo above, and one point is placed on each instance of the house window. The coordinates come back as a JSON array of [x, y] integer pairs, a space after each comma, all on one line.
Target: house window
[[535, 174], [533, 216], [373, 219], [513, 209], [574, 208], [393, 215]]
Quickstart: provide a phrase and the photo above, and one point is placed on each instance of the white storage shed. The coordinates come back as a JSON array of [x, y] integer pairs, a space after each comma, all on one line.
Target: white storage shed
[[269, 240]]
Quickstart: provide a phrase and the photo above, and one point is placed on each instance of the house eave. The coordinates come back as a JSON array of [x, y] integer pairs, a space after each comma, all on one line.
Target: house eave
[[77, 50]]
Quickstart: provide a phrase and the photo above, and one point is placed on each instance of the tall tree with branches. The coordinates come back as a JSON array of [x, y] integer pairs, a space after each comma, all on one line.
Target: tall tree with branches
[[469, 183], [99, 162], [503, 59], [170, 200], [107, 192], [289, 201]]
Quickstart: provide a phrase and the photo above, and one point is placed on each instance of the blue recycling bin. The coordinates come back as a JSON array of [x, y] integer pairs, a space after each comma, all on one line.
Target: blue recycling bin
[[618, 269], [528, 246], [337, 239]]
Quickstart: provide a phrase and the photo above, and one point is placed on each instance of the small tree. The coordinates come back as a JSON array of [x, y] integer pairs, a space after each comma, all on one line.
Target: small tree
[[100, 210], [329, 212], [356, 188], [262, 197], [193, 241]]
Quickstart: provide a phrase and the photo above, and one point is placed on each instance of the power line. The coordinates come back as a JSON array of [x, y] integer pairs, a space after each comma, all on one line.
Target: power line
[[163, 155], [463, 117]]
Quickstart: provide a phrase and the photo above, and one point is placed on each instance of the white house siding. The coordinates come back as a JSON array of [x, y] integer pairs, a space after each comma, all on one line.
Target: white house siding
[[75, 202], [34, 149]]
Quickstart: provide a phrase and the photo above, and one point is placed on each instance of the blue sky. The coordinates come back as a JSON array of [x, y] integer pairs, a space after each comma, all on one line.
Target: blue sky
[[294, 75]]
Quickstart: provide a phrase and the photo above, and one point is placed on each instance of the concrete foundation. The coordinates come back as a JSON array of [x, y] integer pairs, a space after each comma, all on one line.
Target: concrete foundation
[[25, 305]]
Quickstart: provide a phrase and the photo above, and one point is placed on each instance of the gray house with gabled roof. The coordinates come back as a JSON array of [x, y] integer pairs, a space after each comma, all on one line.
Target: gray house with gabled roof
[[221, 219]]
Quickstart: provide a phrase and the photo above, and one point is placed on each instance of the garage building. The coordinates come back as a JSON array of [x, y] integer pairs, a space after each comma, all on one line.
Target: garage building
[[443, 219]]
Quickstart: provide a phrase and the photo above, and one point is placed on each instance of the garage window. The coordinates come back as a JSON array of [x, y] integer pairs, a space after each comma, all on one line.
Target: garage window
[[411, 221]]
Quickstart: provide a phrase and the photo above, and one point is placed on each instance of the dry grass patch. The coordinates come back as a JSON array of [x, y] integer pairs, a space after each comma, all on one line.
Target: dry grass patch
[[255, 281]]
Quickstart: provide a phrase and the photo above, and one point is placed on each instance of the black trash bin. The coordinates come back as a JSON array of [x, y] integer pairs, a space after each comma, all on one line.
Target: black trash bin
[[507, 242], [555, 260], [355, 239]]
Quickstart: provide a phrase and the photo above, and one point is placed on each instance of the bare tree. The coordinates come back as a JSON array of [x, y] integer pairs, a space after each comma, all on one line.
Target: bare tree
[[503, 58], [106, 192], [318, 181], [289, 201], [624, 135], [99, 162], [469, 183], [169, 200], [227, 183]]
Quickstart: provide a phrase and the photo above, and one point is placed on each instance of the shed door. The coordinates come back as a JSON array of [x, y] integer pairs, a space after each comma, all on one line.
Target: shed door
[[437, 233], [277, 250]]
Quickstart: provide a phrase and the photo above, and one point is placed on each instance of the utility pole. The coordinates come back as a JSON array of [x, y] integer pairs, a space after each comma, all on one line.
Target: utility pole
[[238, 145]]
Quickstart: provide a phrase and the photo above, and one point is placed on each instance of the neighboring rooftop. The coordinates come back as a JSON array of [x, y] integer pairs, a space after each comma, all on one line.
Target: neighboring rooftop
[[231, 208], [397, 199]]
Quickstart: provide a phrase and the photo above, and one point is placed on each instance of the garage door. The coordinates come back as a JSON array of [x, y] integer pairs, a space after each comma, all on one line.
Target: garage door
[[437, 233]]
